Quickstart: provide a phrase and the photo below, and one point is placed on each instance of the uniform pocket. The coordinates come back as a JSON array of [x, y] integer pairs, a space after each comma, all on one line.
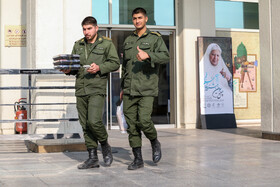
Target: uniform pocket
[[145, 46], [81, 51], [127, 49], [127, 46], [97, 56], [98, 51]]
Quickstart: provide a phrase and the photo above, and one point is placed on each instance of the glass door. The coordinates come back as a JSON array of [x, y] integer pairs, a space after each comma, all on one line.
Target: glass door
[[163, 111], [118, 38]]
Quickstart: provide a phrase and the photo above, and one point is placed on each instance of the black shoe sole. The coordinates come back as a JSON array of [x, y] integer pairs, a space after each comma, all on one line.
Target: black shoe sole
[[107, 165], [157, 161], [138, 167], [95, 166]]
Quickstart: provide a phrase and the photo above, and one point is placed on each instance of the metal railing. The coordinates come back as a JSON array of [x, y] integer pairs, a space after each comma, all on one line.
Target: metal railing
[[29, 73]]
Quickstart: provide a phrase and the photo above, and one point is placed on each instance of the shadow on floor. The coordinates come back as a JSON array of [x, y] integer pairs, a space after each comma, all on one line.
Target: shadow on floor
[[250, 131], [120, 155]]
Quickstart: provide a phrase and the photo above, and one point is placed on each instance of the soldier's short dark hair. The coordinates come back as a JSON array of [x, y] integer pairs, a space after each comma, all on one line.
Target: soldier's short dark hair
[[89, 21], [139, 10]]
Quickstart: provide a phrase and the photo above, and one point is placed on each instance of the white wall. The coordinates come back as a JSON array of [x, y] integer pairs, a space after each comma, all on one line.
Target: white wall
[[13, 12], [57, 25]]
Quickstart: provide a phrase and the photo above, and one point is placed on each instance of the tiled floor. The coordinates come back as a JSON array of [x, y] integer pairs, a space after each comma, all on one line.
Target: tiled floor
[[229, 157]]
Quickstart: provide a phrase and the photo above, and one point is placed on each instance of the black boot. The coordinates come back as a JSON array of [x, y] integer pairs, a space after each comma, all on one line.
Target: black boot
[[138, 160], [107, 153], [156, 150], [92, 161]]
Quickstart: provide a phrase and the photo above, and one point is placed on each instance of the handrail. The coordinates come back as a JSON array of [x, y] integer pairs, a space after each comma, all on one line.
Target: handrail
[[34, 88], [31, 72], [42, 120]]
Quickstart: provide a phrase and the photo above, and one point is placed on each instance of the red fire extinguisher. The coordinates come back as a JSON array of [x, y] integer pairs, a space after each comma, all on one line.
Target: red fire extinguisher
[[21, 113]]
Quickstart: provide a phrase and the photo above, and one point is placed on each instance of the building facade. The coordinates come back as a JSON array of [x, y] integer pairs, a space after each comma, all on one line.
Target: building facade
[[53, 26]]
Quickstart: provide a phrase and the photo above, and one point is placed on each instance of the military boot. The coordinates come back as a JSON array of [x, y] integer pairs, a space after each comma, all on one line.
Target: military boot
[[138, 160], [156, 150], [92, 161], [107, 153]]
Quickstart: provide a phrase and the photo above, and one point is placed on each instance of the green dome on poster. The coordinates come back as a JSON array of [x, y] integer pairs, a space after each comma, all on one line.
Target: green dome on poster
[[241, 50]]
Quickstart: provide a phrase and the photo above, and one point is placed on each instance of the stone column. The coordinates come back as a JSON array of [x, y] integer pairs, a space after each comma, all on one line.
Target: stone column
[[196, 18], [269, 18]]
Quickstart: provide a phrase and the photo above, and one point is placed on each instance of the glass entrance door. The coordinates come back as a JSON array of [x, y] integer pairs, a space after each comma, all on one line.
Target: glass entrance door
[[163, 111]]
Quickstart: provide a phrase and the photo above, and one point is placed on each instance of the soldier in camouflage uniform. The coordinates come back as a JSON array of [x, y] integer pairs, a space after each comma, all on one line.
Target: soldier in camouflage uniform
[[100, 53], [144, 51]]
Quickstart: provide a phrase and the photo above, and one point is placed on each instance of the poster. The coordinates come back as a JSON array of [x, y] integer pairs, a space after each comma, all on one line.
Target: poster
[[251, 43], [245, 69], [240, 98], [15, 36], [215, 74]]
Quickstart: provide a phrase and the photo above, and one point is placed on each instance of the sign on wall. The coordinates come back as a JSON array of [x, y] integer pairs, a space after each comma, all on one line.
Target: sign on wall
[[216, 82], [245, 69], [247, 97], [240, 98], [15, 36], [215, 70]]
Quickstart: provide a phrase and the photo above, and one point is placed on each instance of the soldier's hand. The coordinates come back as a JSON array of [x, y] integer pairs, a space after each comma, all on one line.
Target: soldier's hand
[[94, 68], [142, 55]]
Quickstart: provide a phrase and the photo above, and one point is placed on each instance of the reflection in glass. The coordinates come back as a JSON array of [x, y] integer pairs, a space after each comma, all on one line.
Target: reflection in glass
[[159, 12], [100, 10], [240, 15]]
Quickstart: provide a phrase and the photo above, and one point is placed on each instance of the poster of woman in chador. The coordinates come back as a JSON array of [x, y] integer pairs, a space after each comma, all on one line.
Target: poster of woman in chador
[[215, 73]]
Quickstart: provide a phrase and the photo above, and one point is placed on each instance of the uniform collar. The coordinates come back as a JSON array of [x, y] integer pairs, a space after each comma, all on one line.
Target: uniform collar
[[144, 34], [99, 39]]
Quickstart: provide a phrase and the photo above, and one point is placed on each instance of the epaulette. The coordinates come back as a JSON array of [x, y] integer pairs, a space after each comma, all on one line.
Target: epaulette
[[80, 40], [106, 38], [156, 33]]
